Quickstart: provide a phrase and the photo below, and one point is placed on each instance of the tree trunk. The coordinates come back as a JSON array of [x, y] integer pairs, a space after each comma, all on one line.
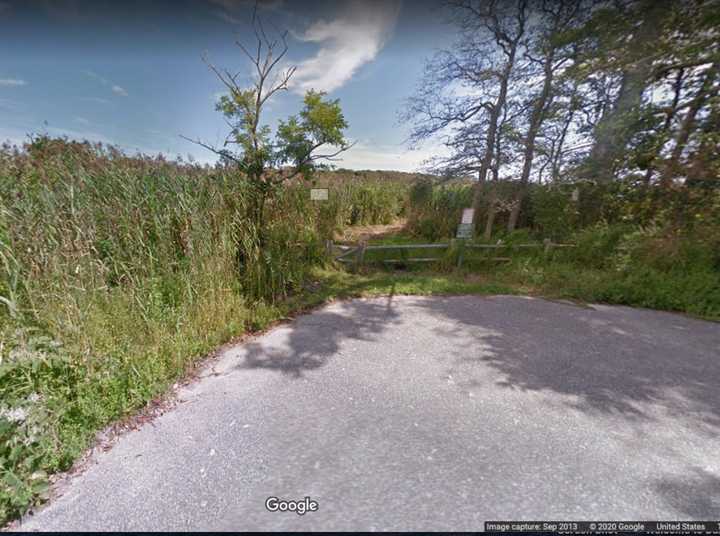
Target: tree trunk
[[669, 116], [492, 131], [706, 157], [557, 156], [557, 153], [490, 218], [536, 118], [612, 132], [489, 151], [515, 211], [688, 124]]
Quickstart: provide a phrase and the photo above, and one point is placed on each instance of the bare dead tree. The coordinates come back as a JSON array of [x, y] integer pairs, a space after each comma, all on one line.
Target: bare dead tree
[[264, 161]]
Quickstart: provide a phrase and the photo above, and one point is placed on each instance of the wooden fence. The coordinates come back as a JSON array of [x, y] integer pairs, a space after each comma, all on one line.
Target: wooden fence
[[355, 254]]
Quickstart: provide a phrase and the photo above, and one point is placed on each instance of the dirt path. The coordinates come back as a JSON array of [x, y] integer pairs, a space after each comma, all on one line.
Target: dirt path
[[359, 233]]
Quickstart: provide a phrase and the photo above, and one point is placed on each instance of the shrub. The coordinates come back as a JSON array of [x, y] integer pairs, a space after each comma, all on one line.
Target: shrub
[[555, 214], [435, 211], [596, 246]]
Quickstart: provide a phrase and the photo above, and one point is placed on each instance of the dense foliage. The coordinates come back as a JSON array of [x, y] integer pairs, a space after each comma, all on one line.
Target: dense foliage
[[646, 245], [116, 272], [533, 91]]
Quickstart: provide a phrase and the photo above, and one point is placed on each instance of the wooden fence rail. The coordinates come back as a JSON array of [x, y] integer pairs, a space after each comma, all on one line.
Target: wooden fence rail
[[355, 254]]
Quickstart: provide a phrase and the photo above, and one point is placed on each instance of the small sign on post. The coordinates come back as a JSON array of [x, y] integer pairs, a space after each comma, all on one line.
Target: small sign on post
[[468, 215], [465, 229], [318, 194]]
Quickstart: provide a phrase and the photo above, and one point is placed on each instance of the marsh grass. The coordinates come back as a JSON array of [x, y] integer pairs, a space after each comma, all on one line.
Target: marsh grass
[[117, 273]]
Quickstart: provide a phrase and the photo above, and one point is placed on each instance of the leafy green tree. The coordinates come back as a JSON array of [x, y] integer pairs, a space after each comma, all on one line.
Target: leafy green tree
[[556, 17], [618, 45], [476, 122], [659, 63], [263, 159]]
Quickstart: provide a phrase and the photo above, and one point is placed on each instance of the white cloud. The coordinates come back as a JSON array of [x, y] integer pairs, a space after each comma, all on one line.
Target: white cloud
[[347, 43], [119, 91], [97, 77], [12, 82], [389, 157], [458, 89], [82, 121], [105, 82]]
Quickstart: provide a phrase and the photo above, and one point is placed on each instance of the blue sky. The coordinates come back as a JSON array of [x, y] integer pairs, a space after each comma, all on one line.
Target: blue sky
[[130, 73]]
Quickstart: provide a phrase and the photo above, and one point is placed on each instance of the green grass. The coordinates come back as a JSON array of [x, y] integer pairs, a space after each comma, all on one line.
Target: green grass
[[328, 284], [79, 396], [694, 294], [136, 370], [604, 268], [340, 284]]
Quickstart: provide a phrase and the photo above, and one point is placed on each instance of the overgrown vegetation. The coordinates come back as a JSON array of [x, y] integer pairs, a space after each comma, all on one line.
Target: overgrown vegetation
[[591, 122], [649, 246], [117, 272], [535, 92]]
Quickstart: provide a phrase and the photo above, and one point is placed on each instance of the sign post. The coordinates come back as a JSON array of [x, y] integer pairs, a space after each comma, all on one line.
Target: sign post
[[464, 231]]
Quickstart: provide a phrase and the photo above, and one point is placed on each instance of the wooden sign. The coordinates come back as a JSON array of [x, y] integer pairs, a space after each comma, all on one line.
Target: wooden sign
[[319, 194]]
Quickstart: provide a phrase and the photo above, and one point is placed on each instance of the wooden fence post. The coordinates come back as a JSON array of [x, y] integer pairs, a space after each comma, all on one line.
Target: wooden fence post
[[461, 250], [548, 246], [360, 258]]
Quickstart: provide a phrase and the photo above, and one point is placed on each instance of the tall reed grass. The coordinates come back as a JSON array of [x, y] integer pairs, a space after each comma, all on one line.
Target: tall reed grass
[[116, 272], [435, 210]]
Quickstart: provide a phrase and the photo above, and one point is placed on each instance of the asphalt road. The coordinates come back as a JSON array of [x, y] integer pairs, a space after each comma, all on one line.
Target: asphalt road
[[412, 413]]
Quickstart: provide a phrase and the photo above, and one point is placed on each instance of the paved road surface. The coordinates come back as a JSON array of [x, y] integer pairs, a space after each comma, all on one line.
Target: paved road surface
[[427, 413]]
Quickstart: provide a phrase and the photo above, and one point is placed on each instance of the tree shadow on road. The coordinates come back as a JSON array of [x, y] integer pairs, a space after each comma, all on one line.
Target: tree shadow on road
[[311, 340], [614, 364], [612, 360], [696, 495]]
